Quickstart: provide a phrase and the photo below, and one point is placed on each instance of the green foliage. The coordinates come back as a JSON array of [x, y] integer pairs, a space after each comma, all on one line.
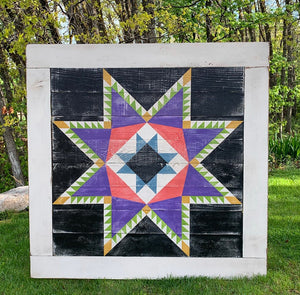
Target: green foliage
[[284, 150]]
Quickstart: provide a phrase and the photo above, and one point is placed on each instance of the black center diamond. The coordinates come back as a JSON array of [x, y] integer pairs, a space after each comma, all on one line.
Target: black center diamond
[[146, 163]]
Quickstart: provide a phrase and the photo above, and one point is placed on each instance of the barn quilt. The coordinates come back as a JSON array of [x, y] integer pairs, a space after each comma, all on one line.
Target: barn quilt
[[147, 161]]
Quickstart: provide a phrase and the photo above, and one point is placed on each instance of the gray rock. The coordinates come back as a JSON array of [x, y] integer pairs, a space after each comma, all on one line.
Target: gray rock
[[15, 199]]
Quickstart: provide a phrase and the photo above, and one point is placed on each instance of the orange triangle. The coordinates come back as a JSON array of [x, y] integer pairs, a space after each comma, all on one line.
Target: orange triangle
[[174, 136], [119, 136], [173, 189], [120, 189]]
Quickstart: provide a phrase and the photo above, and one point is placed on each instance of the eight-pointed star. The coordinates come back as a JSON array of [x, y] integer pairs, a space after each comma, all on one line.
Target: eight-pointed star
[[147, 162]]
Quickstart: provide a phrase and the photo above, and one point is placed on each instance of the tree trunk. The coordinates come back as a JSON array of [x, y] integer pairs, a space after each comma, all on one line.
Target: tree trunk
[[149, 36], [11, 148], [208, 23], [290, 69]]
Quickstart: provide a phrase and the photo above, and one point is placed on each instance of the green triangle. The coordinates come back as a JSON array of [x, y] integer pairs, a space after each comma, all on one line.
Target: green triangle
[[79, 125], [121, 93], [127, 98], [108, 88], [185, 95], [208, 199], [173, 92], [74, 136], [152, 214], [69, 131], [108, 207], [108, 214], [186, 88], [134, 219], [108, 95], [184, 222], [202, 125], [185, 108], [184, 237], [184, 207], [216, 125], [178, 240], [72, 125], [139, 111], [133, 105], [129, 223], [215, 199], [209, 125], [158, 219], [108, 221], [108, 110], [160, 105], [194, 126], [194, 199], [183, 215], [219, 136], [79, 199], [85, 199], [115, 238], [178, 86], [140, 214], [214, 142], [222, 125], [166, 99], [214, 183], [173, 235], [225, 131], [184, 229], [94, 126], [108, 102], [115, 87], [108, 236], [92, 199], [168, 230], [154, 111], [108, 228], [73, 199], [201, 199]]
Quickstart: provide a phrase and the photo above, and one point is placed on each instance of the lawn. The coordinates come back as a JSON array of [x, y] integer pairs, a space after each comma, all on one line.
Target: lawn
[[283, 257]]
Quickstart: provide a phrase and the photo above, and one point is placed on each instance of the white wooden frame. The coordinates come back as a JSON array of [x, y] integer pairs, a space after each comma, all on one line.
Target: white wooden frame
[[252, 56]]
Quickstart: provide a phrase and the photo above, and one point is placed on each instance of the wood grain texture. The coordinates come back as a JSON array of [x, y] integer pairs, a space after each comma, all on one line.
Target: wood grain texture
[[217, 93]]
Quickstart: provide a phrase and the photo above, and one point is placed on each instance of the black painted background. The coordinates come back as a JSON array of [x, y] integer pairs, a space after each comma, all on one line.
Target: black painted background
[[217, 94]]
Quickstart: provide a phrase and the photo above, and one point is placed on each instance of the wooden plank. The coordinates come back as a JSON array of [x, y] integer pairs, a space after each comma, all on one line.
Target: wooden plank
[[233, 54], [256, 163], [143, 267], [39, 161]]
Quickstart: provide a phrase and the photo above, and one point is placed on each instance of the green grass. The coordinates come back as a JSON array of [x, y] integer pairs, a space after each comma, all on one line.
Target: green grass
[[283, 257]]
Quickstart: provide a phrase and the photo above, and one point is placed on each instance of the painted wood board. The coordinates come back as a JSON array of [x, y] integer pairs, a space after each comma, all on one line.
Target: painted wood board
[[151, 162]]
